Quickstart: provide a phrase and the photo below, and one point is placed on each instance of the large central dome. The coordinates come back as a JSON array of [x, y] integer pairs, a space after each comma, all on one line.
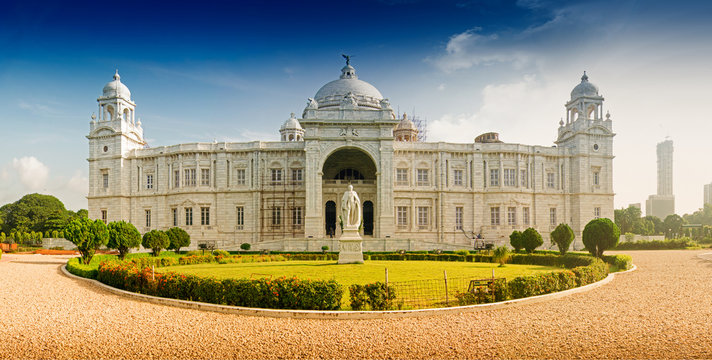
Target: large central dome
[[334, 92]]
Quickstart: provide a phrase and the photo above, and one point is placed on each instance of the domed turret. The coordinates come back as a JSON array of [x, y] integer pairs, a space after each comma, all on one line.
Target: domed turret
[[406, 130], [585, 88], [116, 89], [292, 130]]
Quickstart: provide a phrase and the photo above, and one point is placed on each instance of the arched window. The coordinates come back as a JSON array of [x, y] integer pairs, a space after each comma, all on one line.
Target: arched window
[[348, 174], [291, 137]]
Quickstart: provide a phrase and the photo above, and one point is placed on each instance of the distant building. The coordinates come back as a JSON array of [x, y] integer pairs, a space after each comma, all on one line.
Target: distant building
[[663, 203], [708, 195]]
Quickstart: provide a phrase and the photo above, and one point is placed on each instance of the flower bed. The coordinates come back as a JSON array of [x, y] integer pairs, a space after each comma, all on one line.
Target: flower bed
[[281, 293]]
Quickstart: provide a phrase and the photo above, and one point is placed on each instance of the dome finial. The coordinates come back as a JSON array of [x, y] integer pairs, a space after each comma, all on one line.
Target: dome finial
[[584, 77], [116, 75]]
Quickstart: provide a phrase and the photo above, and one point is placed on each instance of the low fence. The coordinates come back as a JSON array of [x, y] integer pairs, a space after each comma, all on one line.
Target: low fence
[[423, 294]]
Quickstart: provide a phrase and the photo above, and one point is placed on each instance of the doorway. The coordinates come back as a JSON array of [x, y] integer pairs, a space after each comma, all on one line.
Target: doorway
[[330, 218], [368, 218]]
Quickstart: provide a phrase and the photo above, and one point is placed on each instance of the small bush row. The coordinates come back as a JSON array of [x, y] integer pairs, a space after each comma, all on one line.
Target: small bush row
[[281, 293], [431, 257], [669, 244]]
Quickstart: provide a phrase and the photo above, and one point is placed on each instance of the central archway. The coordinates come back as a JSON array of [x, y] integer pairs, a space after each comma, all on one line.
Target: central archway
[[350, 166]]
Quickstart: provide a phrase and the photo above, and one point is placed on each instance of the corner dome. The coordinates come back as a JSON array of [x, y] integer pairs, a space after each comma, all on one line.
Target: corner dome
[[333, 92], [585, 88], [406, 124], [291, 124], [116, 88]]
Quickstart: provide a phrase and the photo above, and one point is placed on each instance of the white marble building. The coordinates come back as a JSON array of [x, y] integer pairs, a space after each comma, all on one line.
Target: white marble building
[[416, 195]]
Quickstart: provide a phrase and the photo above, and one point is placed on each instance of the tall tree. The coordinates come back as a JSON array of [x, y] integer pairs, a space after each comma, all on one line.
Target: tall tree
[[673, 225], [32, 212]]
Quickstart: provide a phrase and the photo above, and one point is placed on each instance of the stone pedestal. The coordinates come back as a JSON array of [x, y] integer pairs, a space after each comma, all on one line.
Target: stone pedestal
[[350, 247]]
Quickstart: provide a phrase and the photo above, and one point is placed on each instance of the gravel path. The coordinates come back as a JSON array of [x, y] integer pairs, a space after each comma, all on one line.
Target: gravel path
[[662, 310]]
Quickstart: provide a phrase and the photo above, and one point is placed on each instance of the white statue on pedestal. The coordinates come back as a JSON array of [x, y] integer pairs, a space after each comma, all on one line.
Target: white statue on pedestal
[[350, 247], [351, 209]]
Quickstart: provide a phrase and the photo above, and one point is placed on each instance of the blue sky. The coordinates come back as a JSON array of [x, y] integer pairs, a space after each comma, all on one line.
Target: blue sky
[[234, 70]]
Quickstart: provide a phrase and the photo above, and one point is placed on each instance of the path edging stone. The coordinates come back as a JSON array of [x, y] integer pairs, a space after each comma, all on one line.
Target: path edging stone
[[341, 315]]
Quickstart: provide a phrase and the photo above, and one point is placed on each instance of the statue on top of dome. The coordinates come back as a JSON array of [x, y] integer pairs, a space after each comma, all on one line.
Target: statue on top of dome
[[348, 59], [312, 104]]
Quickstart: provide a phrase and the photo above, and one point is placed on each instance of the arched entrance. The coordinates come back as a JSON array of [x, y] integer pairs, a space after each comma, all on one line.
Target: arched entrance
[[330, 218], [368, 218], [349, 166]]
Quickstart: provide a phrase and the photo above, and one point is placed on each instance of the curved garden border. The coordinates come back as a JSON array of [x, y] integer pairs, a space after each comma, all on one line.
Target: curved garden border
[[339, 314]]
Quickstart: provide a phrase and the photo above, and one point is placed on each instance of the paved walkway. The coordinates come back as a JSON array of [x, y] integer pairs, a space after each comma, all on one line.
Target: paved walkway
[[662, 310]]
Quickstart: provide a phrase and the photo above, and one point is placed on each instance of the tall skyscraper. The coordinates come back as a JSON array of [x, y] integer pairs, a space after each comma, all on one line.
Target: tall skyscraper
[[708, 195], [662, 204]]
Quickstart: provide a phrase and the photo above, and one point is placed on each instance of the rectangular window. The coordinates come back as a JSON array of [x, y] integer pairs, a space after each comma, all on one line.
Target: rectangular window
[[458, 217], [276, 217], [552, 216], [550, 180], [457, 177], [494, 215], [402, 216], [240, 177], [204, 216], [104, 216], [174, 212], [525, 216], [597, 212], [188, 216], [494, 177], [402, 176], [297, 175], [595, 178], [149, 181], [511, 216], [423, 216], [188, 177], [523, 178], [148, 218], [176, 178], [105, 180], [510, 177], [276, 176], [204, 177], [297, 217], [423, 177], [240, 223]]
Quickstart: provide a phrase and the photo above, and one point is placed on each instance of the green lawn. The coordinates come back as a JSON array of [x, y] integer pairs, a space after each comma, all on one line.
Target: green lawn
[[371, 271]]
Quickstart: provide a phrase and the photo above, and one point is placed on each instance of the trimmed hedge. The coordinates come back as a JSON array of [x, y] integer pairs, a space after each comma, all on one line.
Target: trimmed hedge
[[622, 262], [76, 268], [281, 293], [670, 244], [374, 295]]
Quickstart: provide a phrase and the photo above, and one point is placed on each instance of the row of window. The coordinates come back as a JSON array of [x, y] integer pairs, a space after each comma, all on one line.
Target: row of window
[[510, 177], [422, 177], [512, 215], [423, 219]]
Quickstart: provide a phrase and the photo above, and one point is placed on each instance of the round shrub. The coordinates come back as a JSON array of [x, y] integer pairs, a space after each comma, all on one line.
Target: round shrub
[[219, 252], [600, 235], [178, 238], [245, 246], [562, 236], [515, 239], [531, 239], [123, 236], [156, 240], [87, 235]]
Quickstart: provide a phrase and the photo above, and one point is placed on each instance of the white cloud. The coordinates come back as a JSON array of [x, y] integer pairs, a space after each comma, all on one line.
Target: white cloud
[[470, 48], [441, 87], [32, 172], [522, 111]]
